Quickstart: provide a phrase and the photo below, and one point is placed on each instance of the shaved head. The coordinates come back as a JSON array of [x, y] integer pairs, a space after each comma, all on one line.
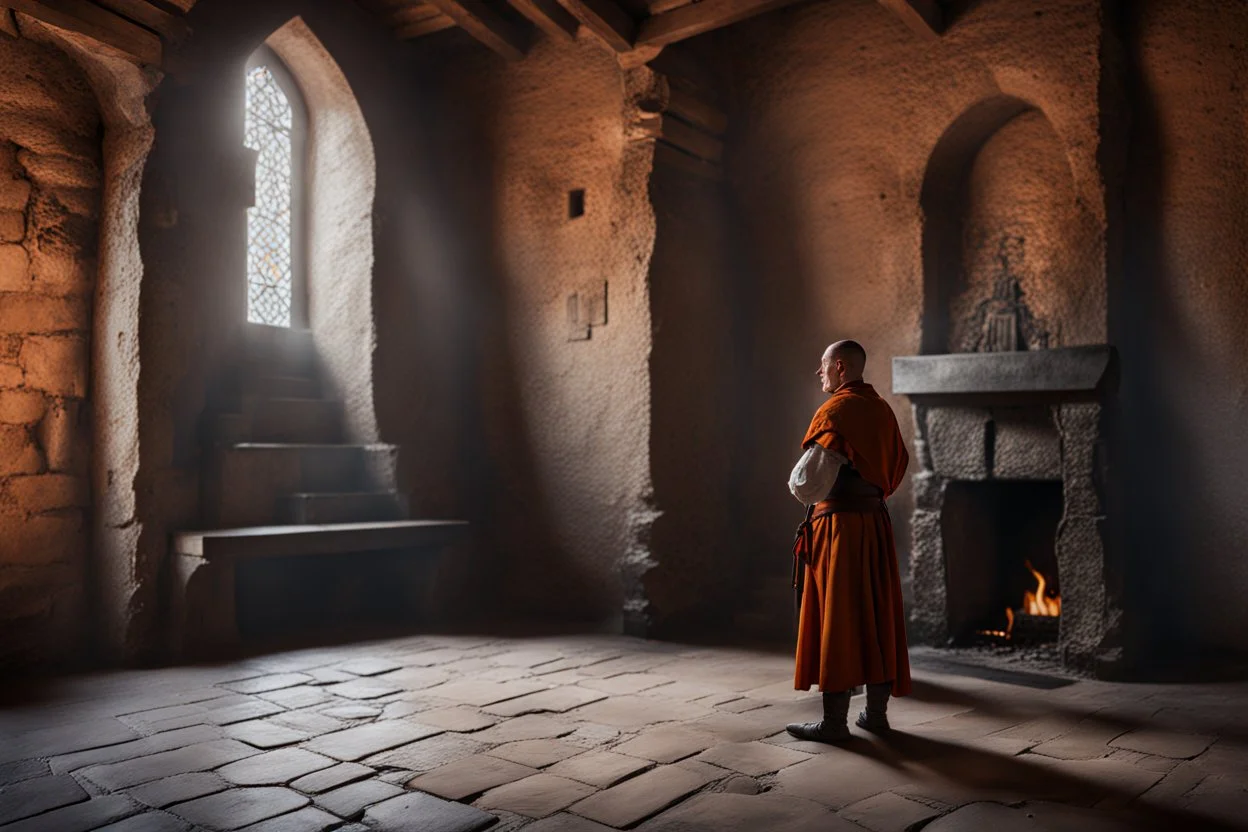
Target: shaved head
[[842, 362], [852, 353]]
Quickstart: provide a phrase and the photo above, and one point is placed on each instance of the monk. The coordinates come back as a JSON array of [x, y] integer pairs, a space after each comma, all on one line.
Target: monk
[[851, 630]]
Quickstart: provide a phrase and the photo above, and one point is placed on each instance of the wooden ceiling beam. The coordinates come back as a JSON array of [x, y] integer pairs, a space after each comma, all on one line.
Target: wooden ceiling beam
[[427, 26], [412, 14], [550, 17], [606, 19], [169, 26], [487, 26], [97, 23], [699, 18], [922, 16]]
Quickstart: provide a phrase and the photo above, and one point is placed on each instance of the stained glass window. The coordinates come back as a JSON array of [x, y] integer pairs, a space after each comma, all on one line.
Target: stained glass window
[[270, 267]]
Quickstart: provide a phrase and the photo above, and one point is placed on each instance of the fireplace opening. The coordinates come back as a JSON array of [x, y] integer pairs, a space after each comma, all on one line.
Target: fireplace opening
[[1002, 580]]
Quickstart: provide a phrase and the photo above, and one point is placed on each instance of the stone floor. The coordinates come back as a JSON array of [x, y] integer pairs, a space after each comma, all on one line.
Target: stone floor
[[572, 734]]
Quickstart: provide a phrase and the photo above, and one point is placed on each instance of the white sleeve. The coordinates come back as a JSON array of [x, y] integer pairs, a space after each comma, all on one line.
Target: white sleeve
[[814, 474]]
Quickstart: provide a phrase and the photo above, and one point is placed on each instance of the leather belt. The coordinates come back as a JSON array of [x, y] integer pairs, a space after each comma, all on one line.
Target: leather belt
[[848, 504]]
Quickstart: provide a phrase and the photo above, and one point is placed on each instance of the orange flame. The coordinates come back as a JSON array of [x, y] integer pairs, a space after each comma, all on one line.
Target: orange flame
[[1037, 602]]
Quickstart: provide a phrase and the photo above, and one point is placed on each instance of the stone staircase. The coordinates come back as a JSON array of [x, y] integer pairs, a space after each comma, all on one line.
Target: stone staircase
[[278, 453], [282, 481]]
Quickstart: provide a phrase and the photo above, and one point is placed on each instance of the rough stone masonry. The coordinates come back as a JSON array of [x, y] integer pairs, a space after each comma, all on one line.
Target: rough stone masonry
[[49, 198]]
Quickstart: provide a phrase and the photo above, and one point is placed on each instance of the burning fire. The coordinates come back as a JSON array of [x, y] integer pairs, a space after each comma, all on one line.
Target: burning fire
[[1038, 603], [1035, 602]]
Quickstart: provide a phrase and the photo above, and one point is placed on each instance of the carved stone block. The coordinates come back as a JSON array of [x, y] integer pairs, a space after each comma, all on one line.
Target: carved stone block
[[1085, 608], [928, 615], [929, 491], [1026, 446], [957, 439], [1079, 426]]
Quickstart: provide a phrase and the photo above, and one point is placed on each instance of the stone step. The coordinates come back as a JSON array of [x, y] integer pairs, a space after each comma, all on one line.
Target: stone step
[[307, 421], [278, 351], [280, 419], [359, 506], [248, 479], [281, 387], [327, 538]]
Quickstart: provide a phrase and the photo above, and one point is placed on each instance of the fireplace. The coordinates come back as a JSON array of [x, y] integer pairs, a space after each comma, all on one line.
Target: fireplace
[[1009, 514], [999, 539]]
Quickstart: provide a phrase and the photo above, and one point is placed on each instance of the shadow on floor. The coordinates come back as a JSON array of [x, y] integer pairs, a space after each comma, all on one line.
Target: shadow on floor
[[927, 691], [984, 775]]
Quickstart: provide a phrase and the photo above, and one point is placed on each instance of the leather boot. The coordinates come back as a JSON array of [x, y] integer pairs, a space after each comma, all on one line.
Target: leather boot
[[833, 727], [875, 717]]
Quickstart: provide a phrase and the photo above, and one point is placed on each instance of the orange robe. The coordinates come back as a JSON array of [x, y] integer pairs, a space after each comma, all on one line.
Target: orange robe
[[852, 628]]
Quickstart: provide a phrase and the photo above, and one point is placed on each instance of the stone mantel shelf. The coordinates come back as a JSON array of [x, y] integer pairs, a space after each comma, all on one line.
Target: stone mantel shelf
[[1068, 370]]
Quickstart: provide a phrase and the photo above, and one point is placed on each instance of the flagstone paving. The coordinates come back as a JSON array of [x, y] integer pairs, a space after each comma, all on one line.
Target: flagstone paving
[[593, 733], [180, 788]]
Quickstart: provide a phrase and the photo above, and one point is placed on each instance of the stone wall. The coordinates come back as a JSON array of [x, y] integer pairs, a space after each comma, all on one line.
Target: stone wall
[[49, 204], [1179, 318], [602, 479], [567, 417]]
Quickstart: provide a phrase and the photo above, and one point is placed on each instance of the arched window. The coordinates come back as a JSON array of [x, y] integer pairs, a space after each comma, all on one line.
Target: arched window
[[275, 127]]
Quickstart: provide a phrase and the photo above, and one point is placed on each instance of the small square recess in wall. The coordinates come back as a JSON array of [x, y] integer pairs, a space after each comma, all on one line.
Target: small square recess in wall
[[576, 203]]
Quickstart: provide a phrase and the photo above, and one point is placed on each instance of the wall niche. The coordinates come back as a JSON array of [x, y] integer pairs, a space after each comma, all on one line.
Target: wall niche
[[1011, 253]]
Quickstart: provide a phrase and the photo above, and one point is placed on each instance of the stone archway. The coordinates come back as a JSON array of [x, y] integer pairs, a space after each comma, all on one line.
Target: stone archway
[[141, 484]]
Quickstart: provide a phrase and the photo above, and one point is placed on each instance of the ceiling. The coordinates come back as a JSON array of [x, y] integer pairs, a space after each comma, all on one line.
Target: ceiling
[[143, 28]]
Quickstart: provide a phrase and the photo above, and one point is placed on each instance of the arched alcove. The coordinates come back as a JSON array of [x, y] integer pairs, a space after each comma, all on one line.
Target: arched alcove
[[1004, 228], [340, 183]]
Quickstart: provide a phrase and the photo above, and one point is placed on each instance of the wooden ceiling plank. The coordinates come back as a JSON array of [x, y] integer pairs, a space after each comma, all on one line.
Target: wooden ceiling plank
[[428, 26], [922, 16], [484, 24], [605, 19], [413, 14], [96, 23], [169, 26], [690, 21], [550, 17]]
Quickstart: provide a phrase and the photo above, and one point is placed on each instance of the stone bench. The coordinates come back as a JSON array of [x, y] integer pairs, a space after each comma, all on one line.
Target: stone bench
[[204, 609]]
